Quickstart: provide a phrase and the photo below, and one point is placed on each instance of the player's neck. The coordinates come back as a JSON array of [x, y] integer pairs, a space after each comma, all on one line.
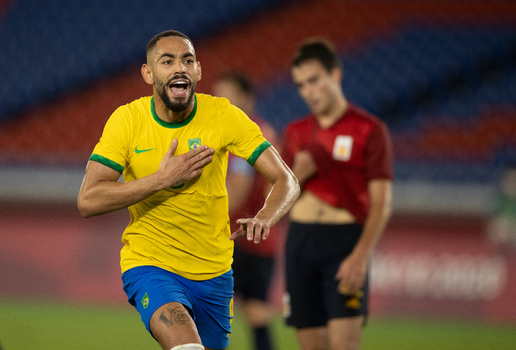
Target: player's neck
[[169, 116], [333, 114]]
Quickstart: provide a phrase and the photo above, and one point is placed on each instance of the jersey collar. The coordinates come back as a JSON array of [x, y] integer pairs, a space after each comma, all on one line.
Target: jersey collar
[[173, 125]]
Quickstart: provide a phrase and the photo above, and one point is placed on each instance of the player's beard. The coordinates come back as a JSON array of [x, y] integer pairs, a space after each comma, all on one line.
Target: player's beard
[[181, 105]]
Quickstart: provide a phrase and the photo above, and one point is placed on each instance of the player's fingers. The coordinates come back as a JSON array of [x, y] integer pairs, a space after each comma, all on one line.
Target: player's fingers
[[351, 285], [172, 150], [351, 288], [238, 233], [343, 287], [242, 230], [357, 284], [197, 153], [200, 158], [195, 173], [205, 160], [258, 233], [346, 290], [265, 231], [250, 231]]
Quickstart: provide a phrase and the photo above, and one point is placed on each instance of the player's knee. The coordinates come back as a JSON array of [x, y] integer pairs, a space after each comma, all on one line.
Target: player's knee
[[191, 346], [258, 313]]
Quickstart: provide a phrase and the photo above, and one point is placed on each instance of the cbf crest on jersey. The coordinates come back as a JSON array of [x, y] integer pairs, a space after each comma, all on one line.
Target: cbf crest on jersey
[[194, 143], [342, 148]]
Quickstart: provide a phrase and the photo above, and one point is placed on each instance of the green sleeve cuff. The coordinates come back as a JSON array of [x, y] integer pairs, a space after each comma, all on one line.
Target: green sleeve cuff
[[258, 151], [107, 162]]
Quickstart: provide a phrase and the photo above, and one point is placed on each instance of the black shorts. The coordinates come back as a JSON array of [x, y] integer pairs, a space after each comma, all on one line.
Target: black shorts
[[252, 274], [313, 255]]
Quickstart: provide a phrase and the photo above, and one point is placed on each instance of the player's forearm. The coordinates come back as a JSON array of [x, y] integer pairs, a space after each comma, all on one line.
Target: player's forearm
[[107, 196], [284, 193], [374, 227]]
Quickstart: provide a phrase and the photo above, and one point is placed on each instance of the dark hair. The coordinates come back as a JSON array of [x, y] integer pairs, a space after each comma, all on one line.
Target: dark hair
[[242, 81], [152, 43], [319, 49]]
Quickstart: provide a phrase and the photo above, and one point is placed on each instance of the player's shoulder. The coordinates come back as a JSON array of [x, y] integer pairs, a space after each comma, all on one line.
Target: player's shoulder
[[269, 132], [361, 115], [301, 124], [205, 101], [134, 109], [143, 103], [217, 108]]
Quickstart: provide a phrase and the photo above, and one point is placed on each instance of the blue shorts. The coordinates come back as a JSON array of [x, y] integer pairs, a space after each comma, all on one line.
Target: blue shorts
[[209, 302]]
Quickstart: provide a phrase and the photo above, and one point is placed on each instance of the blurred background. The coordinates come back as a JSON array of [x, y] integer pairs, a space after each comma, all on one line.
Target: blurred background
[[441, 74]]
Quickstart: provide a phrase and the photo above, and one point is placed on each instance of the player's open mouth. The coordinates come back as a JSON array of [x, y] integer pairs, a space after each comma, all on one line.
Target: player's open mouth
[[179, 87]]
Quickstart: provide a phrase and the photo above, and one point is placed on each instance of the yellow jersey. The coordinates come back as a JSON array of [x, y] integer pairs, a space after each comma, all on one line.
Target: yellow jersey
[[183, 229]]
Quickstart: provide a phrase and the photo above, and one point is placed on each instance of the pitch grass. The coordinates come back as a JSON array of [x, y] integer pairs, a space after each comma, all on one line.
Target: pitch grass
[[55, 326]]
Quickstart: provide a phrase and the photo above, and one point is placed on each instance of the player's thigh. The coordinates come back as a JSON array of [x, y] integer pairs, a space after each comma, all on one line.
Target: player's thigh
[[213, 309], [313, 338], [345, 333], [303, 299], [172, 325], [258, 313]]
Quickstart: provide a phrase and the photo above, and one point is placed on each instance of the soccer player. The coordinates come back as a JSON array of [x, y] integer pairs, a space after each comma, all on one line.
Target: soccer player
[[252, 264], [342, 157], [172, 149]]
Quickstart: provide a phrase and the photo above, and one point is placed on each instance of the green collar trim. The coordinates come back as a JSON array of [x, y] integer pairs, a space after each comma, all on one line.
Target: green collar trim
[[173, 125]]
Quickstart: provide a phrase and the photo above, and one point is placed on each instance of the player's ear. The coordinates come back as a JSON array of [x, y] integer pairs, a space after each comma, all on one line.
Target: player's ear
[[147, 74], [336, 74], [199, 75]]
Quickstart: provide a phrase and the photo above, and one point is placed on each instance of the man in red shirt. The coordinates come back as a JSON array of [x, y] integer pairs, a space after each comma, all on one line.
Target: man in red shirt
[[253, 264], [342, 157]]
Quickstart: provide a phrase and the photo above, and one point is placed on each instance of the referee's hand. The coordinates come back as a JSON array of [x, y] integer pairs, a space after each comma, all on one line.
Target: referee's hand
[[253, 228]]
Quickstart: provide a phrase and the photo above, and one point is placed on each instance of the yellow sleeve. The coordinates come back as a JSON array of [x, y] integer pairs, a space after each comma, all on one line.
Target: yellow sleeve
[[246, 138], [113, 148]]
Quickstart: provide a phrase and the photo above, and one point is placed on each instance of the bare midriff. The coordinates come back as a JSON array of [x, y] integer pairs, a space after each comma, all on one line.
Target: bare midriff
[[309, 209]]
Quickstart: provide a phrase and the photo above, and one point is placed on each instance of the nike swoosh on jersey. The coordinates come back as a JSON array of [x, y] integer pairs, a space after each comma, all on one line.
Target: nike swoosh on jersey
[[143, 150]]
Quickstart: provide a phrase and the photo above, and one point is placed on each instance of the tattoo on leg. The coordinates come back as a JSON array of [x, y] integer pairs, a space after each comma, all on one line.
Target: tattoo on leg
[[164, 319], [177, 316]]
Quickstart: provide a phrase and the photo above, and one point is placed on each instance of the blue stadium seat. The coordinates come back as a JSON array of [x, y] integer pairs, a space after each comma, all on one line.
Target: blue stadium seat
[[98, 35]]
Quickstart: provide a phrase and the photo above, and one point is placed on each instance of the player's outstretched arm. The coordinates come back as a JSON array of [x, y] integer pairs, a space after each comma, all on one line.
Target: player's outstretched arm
[[100, 192], [285, 191]]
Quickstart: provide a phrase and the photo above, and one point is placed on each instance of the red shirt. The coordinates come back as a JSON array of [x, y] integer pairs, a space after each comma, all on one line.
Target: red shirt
[[255, 201], [349, 154]]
